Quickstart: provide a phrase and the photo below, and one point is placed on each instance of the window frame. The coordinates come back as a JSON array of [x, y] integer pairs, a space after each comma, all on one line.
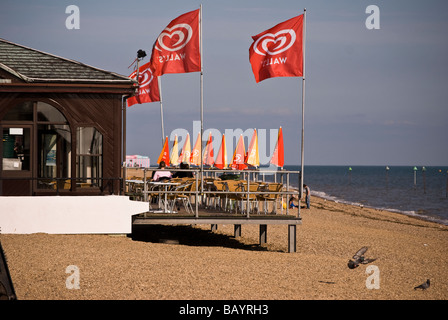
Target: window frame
[[81, 181]]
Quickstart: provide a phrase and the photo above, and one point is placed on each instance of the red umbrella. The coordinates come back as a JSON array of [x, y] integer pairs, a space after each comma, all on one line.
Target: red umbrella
[[208, 153], [239, 155], [165, 153], [278, 157], [221, 158]]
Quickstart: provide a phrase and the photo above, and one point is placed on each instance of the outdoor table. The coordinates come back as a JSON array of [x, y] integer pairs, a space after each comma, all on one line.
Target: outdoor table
[[164, 184], [132, 183]]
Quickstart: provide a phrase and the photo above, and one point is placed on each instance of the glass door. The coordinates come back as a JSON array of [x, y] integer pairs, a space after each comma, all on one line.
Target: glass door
[[54, 153]]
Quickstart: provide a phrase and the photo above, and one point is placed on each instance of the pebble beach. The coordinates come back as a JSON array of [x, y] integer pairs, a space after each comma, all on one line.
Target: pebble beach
[[193, 263]]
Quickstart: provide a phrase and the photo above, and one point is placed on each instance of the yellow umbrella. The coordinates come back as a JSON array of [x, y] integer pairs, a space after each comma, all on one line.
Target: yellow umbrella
[[186, 151], [174, 158], [253, 157], [196, 154]]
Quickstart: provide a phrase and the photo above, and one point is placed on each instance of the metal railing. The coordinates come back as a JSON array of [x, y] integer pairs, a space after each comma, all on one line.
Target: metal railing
[[64, 185], [203, 190]]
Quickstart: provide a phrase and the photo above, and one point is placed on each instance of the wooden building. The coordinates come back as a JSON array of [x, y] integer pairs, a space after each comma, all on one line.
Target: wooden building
[[61, 123]]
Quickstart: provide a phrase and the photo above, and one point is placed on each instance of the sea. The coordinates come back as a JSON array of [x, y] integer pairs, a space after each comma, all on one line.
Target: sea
[[414, 191]]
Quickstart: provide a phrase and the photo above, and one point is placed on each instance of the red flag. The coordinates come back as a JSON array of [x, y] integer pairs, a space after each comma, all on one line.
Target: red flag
[[278, 157], [177, 50], [148, 86], [278, 52]]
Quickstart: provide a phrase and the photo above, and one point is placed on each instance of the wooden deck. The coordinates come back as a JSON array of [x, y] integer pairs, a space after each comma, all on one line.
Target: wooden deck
[[214, 219], [214, 201]]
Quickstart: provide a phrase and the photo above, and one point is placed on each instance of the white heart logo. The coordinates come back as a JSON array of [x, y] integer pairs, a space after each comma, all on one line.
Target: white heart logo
[[145, 78], [182, 30], [281, 36]]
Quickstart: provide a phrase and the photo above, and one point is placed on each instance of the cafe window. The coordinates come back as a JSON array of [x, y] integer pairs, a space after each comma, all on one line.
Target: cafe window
[[38, 129], [22, 112], [89, 162], [54, 148], [16, 149], [54, 156], [48, 113]]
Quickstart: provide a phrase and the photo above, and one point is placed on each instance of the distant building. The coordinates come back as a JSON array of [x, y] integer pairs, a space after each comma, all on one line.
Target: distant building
[[137, 161], [61, 123]]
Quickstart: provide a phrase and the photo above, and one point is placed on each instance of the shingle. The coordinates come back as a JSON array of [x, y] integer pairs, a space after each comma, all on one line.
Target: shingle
[[37, 66]]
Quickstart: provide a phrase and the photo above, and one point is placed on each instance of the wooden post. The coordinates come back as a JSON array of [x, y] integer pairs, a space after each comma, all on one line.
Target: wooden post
[[263, 234], [292, 238], [237, 229]]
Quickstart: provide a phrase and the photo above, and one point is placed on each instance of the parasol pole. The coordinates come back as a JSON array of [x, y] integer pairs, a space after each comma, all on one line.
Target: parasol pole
[[303, 109]]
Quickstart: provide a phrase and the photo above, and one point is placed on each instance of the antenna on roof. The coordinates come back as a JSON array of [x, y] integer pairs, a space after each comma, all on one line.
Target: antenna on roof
[[140, 55]]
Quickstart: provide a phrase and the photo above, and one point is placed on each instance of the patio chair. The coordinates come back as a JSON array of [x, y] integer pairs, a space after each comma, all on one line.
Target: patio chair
[[220, 198], [252, 197], [233, 187], [211, 198], [270, 197], [193, 188], [173, 198], [153, 197]]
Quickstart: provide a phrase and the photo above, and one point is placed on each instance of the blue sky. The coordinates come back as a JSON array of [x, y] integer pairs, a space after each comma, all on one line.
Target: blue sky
[[373, 97]]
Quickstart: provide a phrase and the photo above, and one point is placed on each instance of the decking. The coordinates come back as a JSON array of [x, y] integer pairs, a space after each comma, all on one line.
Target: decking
[[210, 200]]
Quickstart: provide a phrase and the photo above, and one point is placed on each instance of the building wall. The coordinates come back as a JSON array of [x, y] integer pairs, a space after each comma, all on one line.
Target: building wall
[[68, 215], [101, 110]]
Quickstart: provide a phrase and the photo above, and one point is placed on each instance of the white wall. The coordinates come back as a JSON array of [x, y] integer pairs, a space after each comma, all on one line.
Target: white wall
[[68, 214]]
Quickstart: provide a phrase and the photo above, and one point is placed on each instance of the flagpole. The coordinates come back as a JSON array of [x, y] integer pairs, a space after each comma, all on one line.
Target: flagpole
[[202, 96], [161, 107], [303, 107]]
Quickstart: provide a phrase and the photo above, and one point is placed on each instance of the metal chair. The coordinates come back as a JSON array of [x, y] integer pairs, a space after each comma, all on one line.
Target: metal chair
[[270, 197], [173, 198]]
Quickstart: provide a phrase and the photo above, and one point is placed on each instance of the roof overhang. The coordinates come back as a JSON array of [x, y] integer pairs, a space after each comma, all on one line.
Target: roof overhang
[[73, 87]]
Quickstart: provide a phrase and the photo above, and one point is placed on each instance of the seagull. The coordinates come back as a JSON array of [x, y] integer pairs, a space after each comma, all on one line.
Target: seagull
[[359, 259], [423, 286]]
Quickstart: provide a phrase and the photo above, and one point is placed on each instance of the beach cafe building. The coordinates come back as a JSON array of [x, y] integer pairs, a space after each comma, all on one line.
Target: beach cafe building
[[62, 126], [63, 145]]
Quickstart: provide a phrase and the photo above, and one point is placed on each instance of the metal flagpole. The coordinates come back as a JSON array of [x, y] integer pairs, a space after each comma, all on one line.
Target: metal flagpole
[[123, 163], [303, 105], [161, 108], [202, 98]]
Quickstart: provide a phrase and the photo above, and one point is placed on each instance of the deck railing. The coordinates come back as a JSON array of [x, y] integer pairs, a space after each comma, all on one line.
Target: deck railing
[[65, 185], [203, 188]]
